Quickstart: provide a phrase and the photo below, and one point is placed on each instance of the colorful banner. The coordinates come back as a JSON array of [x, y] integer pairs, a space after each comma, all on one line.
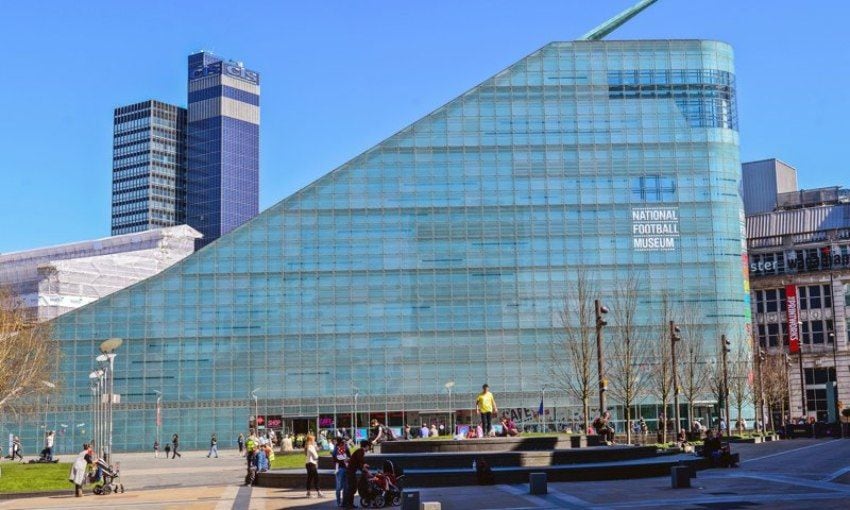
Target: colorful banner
[[793, 317]]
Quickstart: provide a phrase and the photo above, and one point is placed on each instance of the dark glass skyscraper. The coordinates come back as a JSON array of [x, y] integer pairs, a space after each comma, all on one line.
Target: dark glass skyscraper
[[223, 145], [148, 167]]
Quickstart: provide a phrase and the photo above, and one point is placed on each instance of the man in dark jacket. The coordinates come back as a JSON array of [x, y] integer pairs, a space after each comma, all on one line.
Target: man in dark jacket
[[356, 463]]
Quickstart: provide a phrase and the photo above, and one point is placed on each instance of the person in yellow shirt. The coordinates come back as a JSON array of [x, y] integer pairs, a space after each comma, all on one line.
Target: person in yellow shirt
[[485, 404]]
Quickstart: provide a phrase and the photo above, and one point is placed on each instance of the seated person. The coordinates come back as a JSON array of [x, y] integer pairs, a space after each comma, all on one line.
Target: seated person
[[377, 434], [603, 427], [472, 434], [712, 447], [509, 428]]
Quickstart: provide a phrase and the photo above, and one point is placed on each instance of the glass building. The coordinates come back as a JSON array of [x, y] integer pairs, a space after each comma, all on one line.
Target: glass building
[[445, 252], [223, 145], [148, 167]]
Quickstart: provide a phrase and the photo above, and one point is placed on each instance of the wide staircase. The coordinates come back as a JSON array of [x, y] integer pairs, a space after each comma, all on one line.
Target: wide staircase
[[443, 463]]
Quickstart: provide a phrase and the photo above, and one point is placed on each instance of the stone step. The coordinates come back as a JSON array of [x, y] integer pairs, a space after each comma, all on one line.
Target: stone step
[[445, 477], [506, 459]]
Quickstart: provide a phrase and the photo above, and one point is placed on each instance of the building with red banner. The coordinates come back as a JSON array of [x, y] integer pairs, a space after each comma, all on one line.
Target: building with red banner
[[799, 267]]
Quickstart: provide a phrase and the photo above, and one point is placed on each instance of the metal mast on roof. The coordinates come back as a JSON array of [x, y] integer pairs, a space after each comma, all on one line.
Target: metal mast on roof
[[616, 22]]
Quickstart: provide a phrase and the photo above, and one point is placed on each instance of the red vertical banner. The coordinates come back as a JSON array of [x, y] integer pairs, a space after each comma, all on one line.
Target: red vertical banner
[[793, 316]]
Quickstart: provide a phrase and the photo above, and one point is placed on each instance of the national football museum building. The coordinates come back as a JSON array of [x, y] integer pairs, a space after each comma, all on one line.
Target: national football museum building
[[444, 253]]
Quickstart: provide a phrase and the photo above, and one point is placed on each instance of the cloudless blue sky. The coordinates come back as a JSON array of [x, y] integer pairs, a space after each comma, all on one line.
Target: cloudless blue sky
[[339, 76]]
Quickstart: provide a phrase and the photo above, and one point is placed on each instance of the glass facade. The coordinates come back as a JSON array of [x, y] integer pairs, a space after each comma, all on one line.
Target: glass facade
[[443, 253], [148, 167], [223, 145]]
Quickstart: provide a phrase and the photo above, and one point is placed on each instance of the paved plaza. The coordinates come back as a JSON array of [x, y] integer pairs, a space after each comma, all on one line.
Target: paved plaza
[[801, 473]]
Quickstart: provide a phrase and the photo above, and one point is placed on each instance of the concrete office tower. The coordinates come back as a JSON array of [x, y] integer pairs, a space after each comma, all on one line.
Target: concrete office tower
[[223, 138], [444, 252], [148, 167], [763, 181]]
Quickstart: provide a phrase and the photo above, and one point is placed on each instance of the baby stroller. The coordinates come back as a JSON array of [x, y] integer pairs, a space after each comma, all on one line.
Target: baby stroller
[[111, 476], [381, 488]]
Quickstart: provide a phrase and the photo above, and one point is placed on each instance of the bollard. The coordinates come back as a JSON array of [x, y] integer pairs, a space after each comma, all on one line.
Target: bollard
[[692, 470], [680, 477], [410, 500], [537, 483]]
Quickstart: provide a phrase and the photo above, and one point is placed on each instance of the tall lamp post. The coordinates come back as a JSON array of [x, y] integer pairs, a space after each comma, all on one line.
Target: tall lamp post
[[760, 360], [354, 416], [107, 348], [726, 350], [96, 385], [835, 375], [600, 323], [449, 385], [675, 336], [802, 375], [256, 411], [158, 414], [51, 386]]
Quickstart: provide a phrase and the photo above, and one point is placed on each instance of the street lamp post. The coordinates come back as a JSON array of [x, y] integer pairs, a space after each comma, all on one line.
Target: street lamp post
[[256, 411], [802, 375], [600, 323], [449, 385], [760, 360], [107, 359], [835, 375], [726, 350], [786, 359], [354, 416], [158, 414], [675, 336], [542, 409]]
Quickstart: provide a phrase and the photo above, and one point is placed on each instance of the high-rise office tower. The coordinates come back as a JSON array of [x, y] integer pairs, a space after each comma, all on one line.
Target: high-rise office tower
[[222, 145], [148, 167]]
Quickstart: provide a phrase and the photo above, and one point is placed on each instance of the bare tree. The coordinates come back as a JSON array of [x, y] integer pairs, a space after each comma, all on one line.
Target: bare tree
[[694, 372], [28, 355], [627, 355], [740, 381], [573, 368], [774, 377], [662, 370]]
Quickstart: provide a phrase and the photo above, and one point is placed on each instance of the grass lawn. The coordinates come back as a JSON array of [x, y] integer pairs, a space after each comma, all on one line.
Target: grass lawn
[[15, 477], [292, 460]]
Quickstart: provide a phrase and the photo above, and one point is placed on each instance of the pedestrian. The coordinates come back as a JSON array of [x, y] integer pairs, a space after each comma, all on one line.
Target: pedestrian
[[340, 454], [377, 434], [213, 446], [175, 444], [240, 441], [423, 431], [167, 449], [155, 449], [433, 431], [406, 434], [77, 475], [312, 465], [17, 450], [485, 404], [48, 446], [356, 463]]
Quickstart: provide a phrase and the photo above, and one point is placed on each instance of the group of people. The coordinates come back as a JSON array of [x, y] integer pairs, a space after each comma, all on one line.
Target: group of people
[[170, 448]]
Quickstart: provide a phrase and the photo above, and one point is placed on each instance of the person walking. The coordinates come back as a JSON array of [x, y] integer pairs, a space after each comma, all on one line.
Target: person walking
[[213, 446], [240, 441], [48, 446], [340, 454], [312, 465], [175, 443], [155, 449], [485, 404], [77, 475], [17, 449]]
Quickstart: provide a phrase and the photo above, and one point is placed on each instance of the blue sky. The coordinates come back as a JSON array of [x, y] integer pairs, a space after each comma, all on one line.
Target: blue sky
[[339, 76]]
